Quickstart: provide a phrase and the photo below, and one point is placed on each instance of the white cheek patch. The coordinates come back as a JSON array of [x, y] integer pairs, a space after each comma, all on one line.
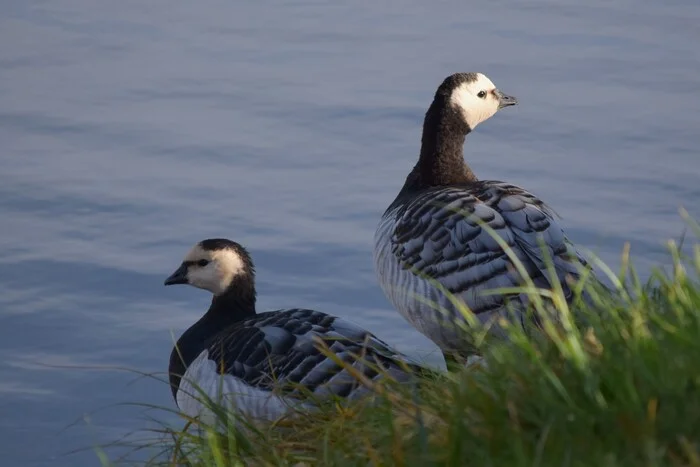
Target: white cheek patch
[[474, 109], [216, 277], [229, 264], [203, 278], [223, 280]]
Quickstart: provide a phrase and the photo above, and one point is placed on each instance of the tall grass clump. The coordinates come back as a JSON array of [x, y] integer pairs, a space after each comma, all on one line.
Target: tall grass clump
[[619, 385]]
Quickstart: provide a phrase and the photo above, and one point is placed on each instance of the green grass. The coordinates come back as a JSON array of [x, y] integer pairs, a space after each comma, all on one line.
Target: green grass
[[623, 389]]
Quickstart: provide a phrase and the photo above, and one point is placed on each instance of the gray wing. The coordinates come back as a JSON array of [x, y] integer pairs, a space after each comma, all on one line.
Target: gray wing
[[437, 236], [278, 349]]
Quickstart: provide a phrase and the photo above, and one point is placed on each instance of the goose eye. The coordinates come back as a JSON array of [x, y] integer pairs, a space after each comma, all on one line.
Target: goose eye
[[481, 94], [202, 262]]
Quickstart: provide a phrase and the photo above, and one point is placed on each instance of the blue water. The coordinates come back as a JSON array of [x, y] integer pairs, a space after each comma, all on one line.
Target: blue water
[[130, 130]]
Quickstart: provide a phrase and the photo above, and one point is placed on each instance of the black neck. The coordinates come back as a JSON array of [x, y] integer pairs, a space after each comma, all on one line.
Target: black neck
[[441, 160], [236, 304]]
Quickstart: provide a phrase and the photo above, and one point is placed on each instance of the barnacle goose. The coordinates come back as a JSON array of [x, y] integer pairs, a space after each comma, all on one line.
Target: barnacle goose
[[430, 233], [264, 364]]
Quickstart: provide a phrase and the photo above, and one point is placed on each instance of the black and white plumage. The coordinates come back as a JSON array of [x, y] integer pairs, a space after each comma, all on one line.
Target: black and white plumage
[[264, 364], [431, 231]]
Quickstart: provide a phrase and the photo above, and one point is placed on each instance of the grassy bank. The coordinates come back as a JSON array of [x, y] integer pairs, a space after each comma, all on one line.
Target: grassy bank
[[623, 389]]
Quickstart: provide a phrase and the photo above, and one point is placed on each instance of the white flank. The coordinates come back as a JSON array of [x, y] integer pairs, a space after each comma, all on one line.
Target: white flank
[[227, 390], [405, 290]]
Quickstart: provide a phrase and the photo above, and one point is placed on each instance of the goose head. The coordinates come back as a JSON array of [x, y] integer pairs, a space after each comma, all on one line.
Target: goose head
[[473, 96], [215, 265]]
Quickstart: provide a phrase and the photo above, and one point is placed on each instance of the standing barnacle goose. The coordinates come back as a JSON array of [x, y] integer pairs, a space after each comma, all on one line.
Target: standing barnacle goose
[[430, 233], [264, 363]]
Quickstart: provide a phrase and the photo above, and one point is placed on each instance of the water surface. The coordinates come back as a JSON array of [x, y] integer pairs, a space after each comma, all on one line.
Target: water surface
[[131, 130]]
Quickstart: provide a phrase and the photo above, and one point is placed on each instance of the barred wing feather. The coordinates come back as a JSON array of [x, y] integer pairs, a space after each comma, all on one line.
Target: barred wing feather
[[437, 236], [268, 362]]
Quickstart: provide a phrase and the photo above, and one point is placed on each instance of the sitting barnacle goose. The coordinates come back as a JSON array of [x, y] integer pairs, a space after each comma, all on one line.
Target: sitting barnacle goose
[[267, 363], [429, 244]]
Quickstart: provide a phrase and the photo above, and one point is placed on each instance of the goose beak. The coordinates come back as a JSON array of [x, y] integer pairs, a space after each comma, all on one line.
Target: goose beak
[[178, 277], [504, 100]]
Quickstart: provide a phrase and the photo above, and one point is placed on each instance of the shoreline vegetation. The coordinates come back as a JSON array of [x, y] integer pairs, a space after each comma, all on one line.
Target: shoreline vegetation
[[617, 387]]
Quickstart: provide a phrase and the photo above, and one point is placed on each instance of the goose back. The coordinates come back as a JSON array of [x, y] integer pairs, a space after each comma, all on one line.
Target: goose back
[[433, 235]]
